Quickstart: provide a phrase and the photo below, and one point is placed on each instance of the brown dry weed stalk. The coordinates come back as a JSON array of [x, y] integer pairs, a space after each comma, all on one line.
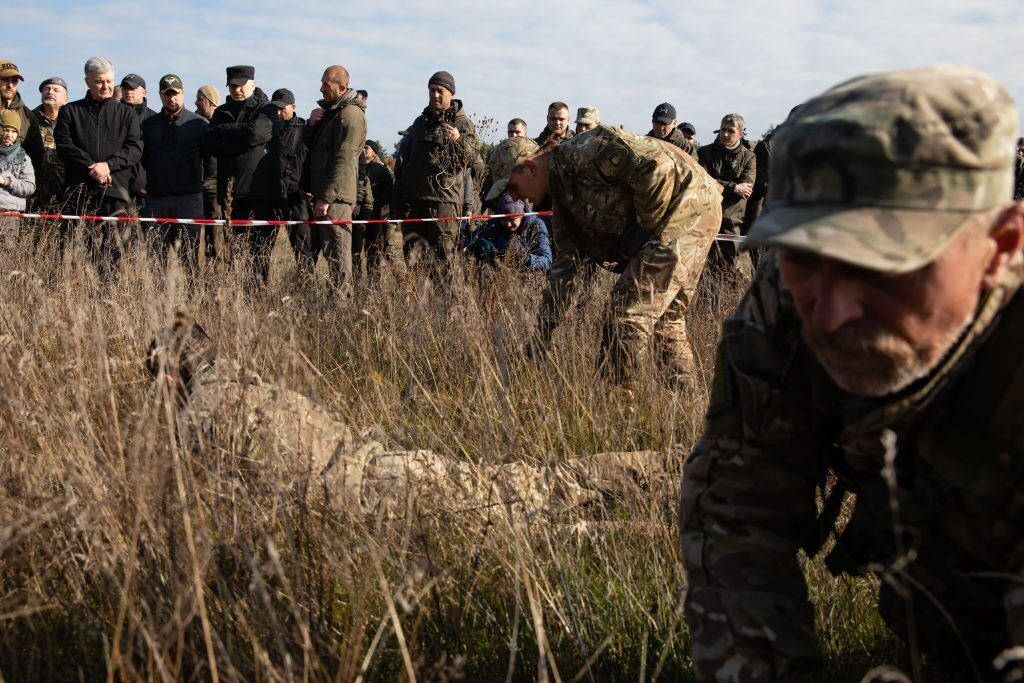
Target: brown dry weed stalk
[[128, 552]]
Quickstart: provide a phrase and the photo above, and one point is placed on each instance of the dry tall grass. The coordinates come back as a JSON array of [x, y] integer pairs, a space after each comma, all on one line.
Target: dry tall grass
[[125, 555]]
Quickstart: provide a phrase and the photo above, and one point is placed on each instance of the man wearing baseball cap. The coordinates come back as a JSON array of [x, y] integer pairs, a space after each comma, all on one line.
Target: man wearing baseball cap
[[663, 127], [878, 348], [173, 160], [30, 137], [133, 93]]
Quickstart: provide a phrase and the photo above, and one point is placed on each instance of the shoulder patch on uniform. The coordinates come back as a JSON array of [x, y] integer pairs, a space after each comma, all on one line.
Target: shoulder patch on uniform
[[615, 162]]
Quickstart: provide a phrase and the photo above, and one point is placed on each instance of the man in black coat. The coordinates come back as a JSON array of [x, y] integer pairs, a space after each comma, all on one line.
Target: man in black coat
[[174, 172], [303, 238], [244, 136], [99, 141]]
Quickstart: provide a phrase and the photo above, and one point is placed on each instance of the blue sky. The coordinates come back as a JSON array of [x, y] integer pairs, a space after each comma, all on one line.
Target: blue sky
[[511, 59]]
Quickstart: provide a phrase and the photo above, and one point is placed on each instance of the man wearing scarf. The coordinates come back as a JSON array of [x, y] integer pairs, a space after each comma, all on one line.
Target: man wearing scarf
[[729, 161]]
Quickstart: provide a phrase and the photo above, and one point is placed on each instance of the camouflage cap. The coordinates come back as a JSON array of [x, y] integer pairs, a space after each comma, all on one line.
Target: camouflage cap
[[211, 94], [503, 159], [883, 170], [588, 115]]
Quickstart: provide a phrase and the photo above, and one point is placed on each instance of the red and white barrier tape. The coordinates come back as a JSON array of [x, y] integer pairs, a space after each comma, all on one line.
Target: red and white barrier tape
[[260, 223]]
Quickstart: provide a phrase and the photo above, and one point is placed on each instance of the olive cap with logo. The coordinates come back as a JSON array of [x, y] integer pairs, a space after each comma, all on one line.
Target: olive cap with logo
[[882, 171], [502, 160], [172, 83]]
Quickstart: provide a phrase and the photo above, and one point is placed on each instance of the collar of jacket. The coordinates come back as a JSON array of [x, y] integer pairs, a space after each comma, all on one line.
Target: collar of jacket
[[43, 118], [734, 150], [448, 114], [347, 97], [142, 106], [16, 104], [93, 102]]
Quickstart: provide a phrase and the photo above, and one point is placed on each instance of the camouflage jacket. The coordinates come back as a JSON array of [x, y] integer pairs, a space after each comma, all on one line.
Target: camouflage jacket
[[677, 138], [613, 191], [778, 428], [729, 167]]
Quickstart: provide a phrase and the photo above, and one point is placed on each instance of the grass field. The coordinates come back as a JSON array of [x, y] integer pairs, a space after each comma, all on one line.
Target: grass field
[[126, 556]]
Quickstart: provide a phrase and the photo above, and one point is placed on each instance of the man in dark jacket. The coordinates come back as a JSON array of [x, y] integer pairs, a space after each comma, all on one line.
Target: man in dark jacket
[[380, 240], [30, 137], [133, 93], [50, 169], [243, 135], [557, 124], [440, 146], [174, 173], [663, 127], [207, 101], [732, 164], [100, 144], [293, 158], [335, 137]]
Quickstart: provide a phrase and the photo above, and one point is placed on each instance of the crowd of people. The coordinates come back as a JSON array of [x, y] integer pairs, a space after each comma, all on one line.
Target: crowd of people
[[874, 357], [253, 157]]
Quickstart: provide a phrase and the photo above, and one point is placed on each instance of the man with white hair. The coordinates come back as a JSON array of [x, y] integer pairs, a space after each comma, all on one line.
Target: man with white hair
[[100, 143]]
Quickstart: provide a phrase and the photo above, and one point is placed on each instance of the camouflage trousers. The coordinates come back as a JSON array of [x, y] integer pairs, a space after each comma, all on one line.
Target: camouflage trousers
[[647, 308]]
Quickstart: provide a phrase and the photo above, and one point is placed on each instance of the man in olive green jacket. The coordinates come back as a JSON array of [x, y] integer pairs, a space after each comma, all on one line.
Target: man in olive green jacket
[[335, 137]]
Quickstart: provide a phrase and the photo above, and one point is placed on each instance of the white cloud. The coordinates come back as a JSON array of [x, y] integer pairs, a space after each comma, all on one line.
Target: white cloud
[[511, 59]]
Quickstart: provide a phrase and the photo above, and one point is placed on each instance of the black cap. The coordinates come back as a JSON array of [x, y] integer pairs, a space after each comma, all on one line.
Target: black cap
[[365, 95], [664, 113], [241, 74], [132, 81], [687, 126], [443, 79], [171, 82], [53, 80], [374, 145], [282, 97]]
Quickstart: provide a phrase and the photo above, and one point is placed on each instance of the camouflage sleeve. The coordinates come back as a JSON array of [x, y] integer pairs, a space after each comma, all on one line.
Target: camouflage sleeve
[[748, 505], [675, 198]]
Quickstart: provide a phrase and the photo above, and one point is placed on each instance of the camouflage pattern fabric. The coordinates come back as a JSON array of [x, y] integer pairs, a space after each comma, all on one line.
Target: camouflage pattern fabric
[[642, 208], [748, 495], [880, 172], [299, 438]]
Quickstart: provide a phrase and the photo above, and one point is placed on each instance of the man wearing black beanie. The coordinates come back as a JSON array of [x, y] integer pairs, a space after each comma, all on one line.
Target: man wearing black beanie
[[439, 147]]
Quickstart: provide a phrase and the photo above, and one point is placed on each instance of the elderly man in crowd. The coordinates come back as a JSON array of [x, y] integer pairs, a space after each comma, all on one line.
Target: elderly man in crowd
[[335, 137], [587, 118], [244, 136], [50, 169], [877, 353], [440, 147], [100, 143], [172, 143]]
